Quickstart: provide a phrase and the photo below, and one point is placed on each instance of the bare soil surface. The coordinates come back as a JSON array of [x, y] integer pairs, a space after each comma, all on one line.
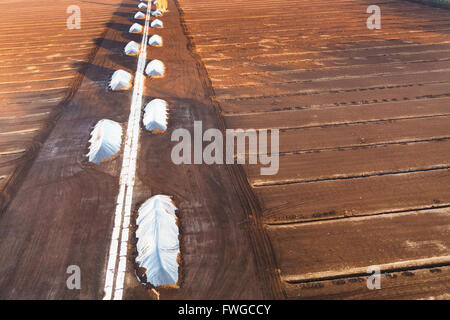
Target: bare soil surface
[[63, 212], [364, 171], [364, 123], [41, 66]]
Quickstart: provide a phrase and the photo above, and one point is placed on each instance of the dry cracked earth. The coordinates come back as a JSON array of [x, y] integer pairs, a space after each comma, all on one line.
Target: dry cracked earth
[[364, 148]]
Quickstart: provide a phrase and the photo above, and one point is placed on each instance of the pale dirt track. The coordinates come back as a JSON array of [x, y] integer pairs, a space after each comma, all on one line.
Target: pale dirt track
[[364, 166]]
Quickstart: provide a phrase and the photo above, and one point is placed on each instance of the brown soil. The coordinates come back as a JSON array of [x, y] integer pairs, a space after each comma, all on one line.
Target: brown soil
[[364, 162], [42, 62], [363, 118]]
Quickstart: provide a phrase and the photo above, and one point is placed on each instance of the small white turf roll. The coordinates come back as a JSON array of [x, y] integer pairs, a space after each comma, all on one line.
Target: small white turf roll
[[155, 41], [132, 48], [139, 15], [156, 24], [105, 141], [136, 28], [155, 68], [156, 115], [120, 80], [157, 13]]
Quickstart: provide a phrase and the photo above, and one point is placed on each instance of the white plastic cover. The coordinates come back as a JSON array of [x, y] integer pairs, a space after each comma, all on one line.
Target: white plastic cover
[[120, 80], [142, 5], [157, 13], [156, 24], [155, 68], [155, 40], [132, 48], [105, 141], [135, 28], [156, 115], [157, 240], [139, 15], [155, 2]]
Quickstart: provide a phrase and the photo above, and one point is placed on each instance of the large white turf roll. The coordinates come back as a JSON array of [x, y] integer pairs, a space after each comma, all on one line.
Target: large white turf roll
[[157, 240], [139, 15]]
